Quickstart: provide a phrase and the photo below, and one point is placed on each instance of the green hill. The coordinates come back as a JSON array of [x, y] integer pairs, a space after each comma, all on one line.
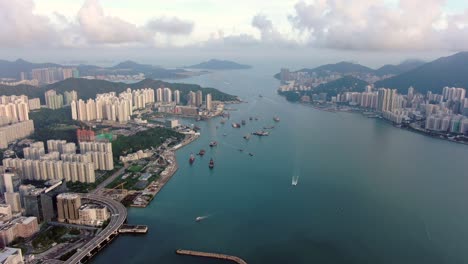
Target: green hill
[[345, 84], [432, 76]]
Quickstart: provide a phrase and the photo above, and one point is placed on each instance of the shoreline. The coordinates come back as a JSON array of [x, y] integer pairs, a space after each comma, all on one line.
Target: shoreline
[[361, 111], [170, 170]]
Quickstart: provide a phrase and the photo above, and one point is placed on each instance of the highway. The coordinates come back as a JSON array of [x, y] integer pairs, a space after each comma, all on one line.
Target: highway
[[109, 179], [118, 218]]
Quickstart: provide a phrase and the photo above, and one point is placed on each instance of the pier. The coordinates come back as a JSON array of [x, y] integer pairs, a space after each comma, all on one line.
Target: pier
[[133, 229], [210, 255]]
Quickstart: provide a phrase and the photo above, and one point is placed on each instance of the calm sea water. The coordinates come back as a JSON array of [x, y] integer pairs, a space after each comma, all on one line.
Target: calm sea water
[[367, 192]]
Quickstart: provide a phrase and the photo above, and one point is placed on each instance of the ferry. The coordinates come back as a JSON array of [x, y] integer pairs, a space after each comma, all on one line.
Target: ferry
[[236, 125], [202, 152], [276, 119], [213, 144], [211, 165], [191, 159], [261, 133]]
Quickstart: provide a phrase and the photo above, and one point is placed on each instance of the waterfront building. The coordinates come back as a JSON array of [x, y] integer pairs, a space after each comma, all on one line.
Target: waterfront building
[[209, 105], [159, 95], [177, 97], [93, 214], [67, 207], [199, 99]]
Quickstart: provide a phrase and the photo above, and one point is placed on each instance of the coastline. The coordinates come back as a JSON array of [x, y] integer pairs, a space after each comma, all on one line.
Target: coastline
[[336, 109], [170, 170]]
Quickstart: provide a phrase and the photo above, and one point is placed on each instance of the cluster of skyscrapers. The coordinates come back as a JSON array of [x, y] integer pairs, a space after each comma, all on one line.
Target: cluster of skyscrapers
[[446, 112], [55, 100], [109, 106], [50, 75], [62, 161], [14, 118]]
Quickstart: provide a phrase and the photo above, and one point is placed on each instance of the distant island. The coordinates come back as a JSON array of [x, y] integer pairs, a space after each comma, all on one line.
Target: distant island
[[21, 70], [215, 64]]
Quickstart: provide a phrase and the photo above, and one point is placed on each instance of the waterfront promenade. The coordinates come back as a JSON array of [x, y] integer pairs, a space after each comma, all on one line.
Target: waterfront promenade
[[210, 255]]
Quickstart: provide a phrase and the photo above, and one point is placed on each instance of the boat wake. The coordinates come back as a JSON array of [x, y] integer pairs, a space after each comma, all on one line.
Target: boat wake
[[295, 180], [201, 218]]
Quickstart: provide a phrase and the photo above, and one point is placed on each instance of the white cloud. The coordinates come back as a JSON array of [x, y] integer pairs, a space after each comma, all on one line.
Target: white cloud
[[96, 27], [170, 26], [372, 24], [20, 27]]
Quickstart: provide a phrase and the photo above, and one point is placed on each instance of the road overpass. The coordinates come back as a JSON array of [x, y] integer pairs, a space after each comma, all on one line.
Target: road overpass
[[118, 218]]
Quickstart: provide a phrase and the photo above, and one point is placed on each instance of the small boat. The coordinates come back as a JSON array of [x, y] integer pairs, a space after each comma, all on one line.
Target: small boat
[[250, 118], [243, 122], [236, 125], [251, 154], [198, 118], [260, 95], [241, 150], [270, 127], [213, 144], [191, 159], [224, 134], [196, 128], [202, 152], [247, 137], [261, 133], [211, 164], [222, 121], [276, 119], [199, 218]]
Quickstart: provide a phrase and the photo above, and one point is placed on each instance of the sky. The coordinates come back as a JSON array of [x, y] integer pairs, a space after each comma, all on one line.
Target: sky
[[182, 31]]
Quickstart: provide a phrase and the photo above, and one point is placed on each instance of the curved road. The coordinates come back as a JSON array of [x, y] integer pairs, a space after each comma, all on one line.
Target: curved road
[[117, 219]]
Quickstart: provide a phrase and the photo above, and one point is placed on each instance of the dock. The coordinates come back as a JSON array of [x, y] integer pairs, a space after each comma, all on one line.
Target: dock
[[210, 255], [133, 229]]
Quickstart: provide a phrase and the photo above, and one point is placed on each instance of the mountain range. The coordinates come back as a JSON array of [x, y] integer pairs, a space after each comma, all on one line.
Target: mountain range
[[354, 68], [13, 69], [215, 64], [432, 76]]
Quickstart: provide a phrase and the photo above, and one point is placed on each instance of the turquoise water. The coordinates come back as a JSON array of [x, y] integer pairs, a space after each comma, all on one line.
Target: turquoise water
[[367, 192]]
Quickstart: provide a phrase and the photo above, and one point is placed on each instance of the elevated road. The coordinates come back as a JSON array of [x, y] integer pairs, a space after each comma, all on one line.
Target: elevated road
[[118, 217]]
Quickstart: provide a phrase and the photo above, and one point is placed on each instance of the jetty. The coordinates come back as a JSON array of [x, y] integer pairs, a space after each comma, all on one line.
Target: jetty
[[210, 255]]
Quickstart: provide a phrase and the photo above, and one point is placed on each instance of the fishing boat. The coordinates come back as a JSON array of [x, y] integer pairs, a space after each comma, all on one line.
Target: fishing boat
[[191, 159], [213, 144], [261, 133], [211, 164], [276, 119], [202, 152]]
